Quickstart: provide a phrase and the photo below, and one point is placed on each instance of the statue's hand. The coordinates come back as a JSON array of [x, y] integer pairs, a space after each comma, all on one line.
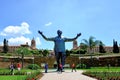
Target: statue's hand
[[40, 32], [79, 34]]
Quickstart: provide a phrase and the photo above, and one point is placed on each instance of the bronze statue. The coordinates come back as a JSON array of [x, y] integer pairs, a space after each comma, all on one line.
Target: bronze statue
[[59, 47]]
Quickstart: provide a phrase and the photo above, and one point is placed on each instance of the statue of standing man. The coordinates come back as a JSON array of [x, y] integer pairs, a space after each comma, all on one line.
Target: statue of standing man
[[59, 47]]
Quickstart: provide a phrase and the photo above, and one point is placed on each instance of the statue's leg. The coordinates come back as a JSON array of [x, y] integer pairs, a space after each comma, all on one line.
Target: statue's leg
[[58, 61], [63, 59]]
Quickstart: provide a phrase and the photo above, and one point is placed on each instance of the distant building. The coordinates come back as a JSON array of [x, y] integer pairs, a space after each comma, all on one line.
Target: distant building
[[75, 45], [13, 48], [108, 49], [33, 44]]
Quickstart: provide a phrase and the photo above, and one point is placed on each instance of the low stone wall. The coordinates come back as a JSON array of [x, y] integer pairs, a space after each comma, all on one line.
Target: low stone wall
[[6, 62], [103, 61], [42, 60], [52, 61], [94, 62]]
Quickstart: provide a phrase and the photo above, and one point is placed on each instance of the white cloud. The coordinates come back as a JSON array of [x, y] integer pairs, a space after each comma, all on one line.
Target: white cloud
[[38, 42], [3, 34], [19, 40], [16, 30], [48, 24], [16, 35], [23, 40]]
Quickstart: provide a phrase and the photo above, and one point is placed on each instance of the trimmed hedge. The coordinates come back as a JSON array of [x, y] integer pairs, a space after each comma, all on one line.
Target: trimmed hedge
[[33, 66], [81, 66]]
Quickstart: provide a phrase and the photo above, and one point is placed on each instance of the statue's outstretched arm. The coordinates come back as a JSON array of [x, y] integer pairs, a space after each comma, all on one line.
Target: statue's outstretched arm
[[72, 39], [42, 35], [49, 39], [78, 35]]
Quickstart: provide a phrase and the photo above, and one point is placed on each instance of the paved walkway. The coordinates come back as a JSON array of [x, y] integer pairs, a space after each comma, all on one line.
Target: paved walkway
[[67, 75]]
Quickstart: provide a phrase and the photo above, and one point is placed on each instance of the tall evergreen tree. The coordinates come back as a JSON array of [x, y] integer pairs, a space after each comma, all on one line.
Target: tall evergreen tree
[[101, 48], [5, 46], [115, 47]]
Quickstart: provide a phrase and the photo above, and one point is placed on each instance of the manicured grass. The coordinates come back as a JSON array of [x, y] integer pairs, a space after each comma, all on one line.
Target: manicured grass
[[19, 75], [13, 77]]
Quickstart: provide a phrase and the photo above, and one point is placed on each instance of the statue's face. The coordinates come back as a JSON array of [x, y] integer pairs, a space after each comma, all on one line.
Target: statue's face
[[59, 33]]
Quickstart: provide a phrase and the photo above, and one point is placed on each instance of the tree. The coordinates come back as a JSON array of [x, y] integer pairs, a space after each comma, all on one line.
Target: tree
[[23, 51], [35, 52], [5, 46], [90, 43], [67, 52], [83, 48], [101, 48], [40, 52], [115, 47], [45, 52]]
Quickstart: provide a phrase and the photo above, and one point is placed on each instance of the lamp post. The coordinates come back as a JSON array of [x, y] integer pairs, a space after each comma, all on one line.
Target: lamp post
[[97, 59], [91, 59], [80, 54], [33, 61], [22, 57], [79, 58]]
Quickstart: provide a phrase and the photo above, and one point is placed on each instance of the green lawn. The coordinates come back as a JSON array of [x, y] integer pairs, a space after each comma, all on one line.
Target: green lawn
[[13, 77], [18, 75]]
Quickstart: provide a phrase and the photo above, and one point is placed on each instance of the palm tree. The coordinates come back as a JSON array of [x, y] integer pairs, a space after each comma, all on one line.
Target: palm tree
[[90, 43]]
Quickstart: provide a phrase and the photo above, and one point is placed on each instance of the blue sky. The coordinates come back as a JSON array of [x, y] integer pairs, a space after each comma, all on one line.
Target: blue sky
[[21, 19]]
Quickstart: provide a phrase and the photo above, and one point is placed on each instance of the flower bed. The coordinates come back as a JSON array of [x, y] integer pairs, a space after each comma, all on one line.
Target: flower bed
[[104, 75]]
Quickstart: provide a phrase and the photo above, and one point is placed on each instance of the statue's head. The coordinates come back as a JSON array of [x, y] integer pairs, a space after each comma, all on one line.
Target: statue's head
[[59, 32]]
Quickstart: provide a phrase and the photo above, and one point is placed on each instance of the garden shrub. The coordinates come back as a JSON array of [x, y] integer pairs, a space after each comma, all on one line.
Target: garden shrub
[[20, 73], [81, 66], [34, 76], [33, 66], [8, 54]]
